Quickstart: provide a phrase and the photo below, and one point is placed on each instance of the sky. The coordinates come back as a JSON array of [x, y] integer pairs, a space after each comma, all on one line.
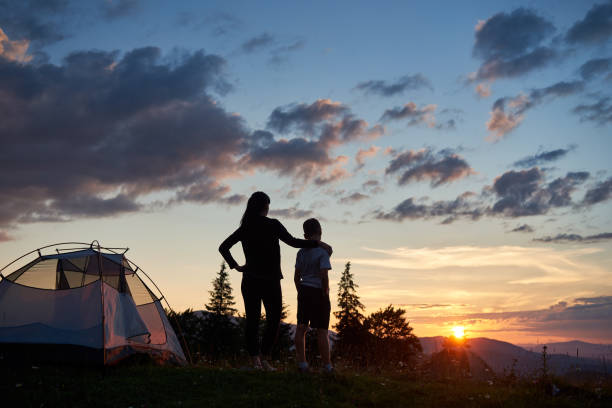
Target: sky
[[457, 154]]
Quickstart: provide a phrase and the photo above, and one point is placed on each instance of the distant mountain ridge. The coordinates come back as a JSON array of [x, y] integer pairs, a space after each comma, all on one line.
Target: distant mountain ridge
[[502, 356], [574, 348]]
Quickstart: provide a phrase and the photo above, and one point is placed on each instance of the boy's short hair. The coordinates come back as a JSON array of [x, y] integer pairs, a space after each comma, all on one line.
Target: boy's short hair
[[311, 227]]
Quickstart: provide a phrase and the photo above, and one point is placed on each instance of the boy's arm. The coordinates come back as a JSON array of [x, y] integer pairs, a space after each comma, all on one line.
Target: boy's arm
[[325, 280], [296, 278]]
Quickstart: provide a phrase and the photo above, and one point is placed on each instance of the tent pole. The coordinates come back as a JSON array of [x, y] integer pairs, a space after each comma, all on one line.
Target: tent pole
[[102, 297]]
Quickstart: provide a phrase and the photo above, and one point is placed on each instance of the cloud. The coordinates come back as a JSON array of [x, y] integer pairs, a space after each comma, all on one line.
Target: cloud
[[414, 114], [502, 122], [523, 228], [292, 212], [600, 193], [388, 88], [595, 67], [584, 318], [362, 155], [594, 28], [353, 198], [461, 207], [440, 168], [589, 239], [483, 90], [546, 264], [513, 194], [372, 186], [14, 50], [112, 9], [511, 45], [98, 133], [599, 112], [39, 22], [258, 42], [543, 157], [321, 127], [207, 192], [280, 55], [303, 117], [524, 193], [508, 112]]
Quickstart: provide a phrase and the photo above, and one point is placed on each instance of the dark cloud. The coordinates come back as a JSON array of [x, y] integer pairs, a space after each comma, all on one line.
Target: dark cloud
[[508, 112], [513, 194], [461, 207], [292, 212], [112, 9], [560, 238], [388, 88], [440, 168], [594, 28], [595, 67], [303, 117], [207, 192], [99, 132], [353, 198], [38, 21], [543, 157], [511, 44], [601, 192], [414, 114], [322, 125], [599, 112], [523, 228], [524, 193], [258, 42]]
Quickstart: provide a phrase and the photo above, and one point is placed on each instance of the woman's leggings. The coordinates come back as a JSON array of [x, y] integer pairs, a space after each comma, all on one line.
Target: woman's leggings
[[255, 291]]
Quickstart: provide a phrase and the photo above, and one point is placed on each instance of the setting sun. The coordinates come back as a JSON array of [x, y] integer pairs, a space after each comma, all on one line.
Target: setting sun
[[459, 331]]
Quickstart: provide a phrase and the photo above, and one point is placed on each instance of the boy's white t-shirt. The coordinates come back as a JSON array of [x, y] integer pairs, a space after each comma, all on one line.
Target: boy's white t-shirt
[[310, 261]]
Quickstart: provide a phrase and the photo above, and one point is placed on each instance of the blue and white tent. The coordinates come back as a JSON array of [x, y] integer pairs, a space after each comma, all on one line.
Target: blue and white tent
[[86, 304]]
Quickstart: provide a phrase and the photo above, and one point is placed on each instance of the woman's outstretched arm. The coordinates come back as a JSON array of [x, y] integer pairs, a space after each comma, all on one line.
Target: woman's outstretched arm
[[290, 240], [225, 246]]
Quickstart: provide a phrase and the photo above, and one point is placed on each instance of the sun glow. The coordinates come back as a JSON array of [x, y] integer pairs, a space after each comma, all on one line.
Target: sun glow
[[459, 332]]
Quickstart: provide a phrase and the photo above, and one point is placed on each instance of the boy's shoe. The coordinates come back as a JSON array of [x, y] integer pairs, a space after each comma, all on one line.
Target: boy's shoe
[[267, 366]]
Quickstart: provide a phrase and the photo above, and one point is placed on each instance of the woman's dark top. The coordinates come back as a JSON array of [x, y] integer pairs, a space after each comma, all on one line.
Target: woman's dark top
[[260, 245]]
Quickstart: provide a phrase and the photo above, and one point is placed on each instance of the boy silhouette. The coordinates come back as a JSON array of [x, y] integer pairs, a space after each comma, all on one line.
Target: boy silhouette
[[312, 284]]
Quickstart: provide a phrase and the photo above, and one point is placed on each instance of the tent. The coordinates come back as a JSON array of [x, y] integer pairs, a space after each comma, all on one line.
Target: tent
[[84, 304]]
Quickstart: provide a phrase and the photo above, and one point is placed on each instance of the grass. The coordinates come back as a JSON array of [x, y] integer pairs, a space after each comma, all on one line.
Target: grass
[[152, 386]]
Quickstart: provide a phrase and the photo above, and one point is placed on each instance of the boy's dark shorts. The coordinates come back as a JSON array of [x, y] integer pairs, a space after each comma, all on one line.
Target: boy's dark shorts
[[313, 307]]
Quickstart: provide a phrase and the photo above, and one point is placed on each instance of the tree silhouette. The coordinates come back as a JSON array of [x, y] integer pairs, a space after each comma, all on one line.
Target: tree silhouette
[[390, 339], [349, 324], [221, 298], [220, 334]]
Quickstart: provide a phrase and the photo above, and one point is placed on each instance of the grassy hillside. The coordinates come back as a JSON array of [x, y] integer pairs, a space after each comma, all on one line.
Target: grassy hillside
[[150, 386]]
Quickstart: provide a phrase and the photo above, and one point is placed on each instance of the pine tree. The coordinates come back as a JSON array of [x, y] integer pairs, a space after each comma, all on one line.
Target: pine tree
[[349, 325], [220, 335], [221, 298]]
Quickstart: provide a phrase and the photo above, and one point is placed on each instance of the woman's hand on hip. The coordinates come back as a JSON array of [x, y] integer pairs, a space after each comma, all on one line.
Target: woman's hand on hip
[[240, 268]]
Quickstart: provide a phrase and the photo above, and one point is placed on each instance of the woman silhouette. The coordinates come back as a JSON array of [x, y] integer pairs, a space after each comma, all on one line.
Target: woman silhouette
[[261, 272]]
